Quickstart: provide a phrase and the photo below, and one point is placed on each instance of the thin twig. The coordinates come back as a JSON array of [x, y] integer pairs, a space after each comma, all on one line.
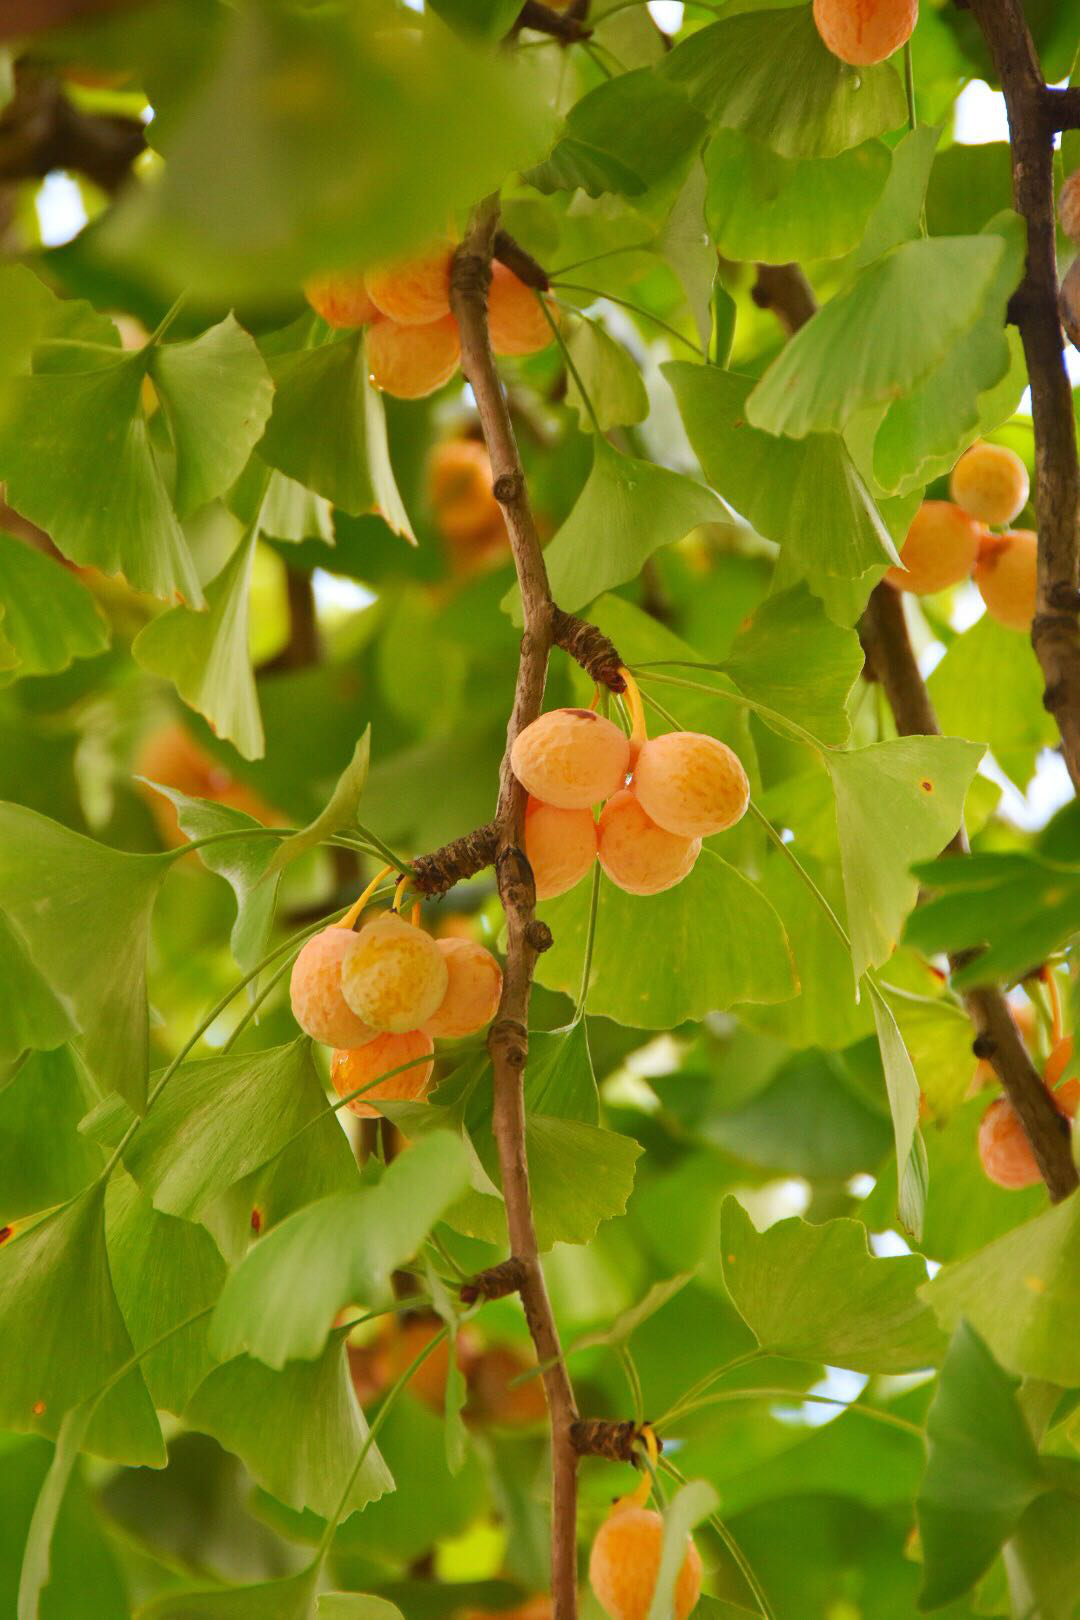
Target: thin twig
[[508, 1038]]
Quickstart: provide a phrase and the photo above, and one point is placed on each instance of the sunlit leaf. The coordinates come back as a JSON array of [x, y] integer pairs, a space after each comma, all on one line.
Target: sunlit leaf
[[792, 657], [62, 890], [612, 381], [815, 1293], [1016, 725], [898, 210]]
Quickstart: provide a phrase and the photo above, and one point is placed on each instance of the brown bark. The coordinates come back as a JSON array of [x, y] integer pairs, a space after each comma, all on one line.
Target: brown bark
[[508, 1037], [41, 130], [20, 17]]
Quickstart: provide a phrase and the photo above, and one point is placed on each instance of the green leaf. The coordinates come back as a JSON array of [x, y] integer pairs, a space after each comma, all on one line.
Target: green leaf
[[455, 1434], [32, 1016], [559, 1078], [769, 74], [79, 1566], [326, 174], [281, 1301], [806, 495], [982, 1470], [573, 164], [339, 814], [627, 510], [46, 614], [1021, 1294], [1020, 906], [937, 1037], [792, 657], [317, 433], [990, 657], [880, 337], [898, 211], [896, 803], [35, 1572], [53, 1273], [975, 386], [206, 656], [902, 1087], [288, 1599], [815, 1293], [61, 891], [299, 1431], [625, 1324], [488, 19], [111, 509], [684, 243], [720, 940], [216, 393], [242, 862], [1044, 1566], [625, 135], [690, 1504], [766, 207], [43, 1158], [220, 1118], [611, 378], [164, 1272]]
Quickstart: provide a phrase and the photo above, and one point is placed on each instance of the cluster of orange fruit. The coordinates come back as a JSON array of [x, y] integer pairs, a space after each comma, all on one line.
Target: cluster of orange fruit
[[862, 32], [948, 541], [382, 996], [462, 500], [412, 345], [682, 787]]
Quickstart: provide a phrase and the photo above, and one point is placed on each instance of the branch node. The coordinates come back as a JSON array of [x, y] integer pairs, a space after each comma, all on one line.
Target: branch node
[[599, 1437], [984, 1046], [495, 1283], [515, 258], [1066, 597], [539, 936], [509, 487], [456, 861], [589, 647]]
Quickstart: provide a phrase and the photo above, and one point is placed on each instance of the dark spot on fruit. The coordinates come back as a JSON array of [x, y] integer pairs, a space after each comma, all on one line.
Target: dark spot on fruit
[[583, 714], [927, 786], [256, 1221]]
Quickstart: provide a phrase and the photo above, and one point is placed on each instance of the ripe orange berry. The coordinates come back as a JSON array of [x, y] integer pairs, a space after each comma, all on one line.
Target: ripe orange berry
[[939, 550], [625, 1561], [1069, 206], [515, 320], [474, 985], [315, 991], [690, 784], [560, 846], [1058, 1062], [1004, 1149], [990, 482], [1006, 574], [571, 758], [414, 293], [636, 854], [412, 361], [862, 32], [353, 1067], [395, 977], [341, 298], [460, 491]]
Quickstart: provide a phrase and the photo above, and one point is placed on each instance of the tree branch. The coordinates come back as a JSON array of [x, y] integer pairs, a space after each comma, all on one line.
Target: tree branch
[[1063, 107], [892, 660], [508, 1037], [1034, 113], [562, 25], [784, 289], [42, 130]]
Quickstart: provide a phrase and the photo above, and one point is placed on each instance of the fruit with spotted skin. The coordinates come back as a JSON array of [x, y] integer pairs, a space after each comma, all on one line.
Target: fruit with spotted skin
[[1006, 575], [353, 1067], [315, 991], [411, 362], [416, 292], [939, 550], [991, 483], [560, 846], [341, 298], [690, 784], [474, 985], [625, 1562], [637, 855], [515, 319], [395, 977], [570, 758], [862, 32]]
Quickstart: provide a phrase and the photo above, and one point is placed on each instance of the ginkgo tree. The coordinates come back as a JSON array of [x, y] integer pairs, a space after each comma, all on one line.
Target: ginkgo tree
[[539, 866]]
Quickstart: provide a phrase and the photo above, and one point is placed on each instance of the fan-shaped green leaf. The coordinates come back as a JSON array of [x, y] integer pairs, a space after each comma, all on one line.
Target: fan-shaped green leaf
[[280, 1303], [766, 207], [216, 392], [880, 338], [627, 510], [792, 657], [982, 1470], [902, 1088], [896, 803], [220, 1118], [1015, 726], [289, 1599], [768, 73], [54, 1272], [897, 213], [816, 1293], [46, 614], [43, 1158], [612, 380], [317, 433], [299, 1431], [805, 495], [624, 136], [339, 814], [83, 911], [32, 1016]]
